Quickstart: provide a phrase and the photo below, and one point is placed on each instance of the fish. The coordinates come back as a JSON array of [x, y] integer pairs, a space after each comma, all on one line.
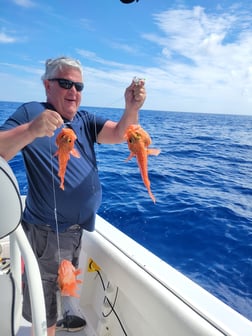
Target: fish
[[67, 278], [138, 142], [65, 141]]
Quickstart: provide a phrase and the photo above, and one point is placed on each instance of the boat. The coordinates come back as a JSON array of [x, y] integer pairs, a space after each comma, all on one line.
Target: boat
[[126, 290]]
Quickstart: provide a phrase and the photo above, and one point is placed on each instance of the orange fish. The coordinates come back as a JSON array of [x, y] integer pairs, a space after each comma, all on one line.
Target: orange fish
[[138, 142], [65, 142], [67, 278]]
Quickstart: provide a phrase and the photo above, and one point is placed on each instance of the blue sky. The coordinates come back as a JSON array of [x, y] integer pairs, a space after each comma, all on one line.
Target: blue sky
[[196, 56]]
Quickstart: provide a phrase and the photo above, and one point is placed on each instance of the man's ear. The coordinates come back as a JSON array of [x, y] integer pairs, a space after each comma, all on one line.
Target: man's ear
[[46, 84]]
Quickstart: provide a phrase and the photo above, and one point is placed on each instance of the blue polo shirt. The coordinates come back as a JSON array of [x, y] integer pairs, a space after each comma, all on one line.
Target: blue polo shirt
[[79, 202]]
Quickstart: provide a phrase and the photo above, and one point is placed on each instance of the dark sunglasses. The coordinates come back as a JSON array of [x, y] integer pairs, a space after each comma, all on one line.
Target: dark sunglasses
[[68, 84]]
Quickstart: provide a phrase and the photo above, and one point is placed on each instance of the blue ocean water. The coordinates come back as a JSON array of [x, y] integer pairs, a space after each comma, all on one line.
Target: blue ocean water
[[201, 223]]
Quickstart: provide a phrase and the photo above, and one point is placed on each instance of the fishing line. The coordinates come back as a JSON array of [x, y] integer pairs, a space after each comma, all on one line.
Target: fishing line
[[117, 100], [96, 144], [54, 201], [58, 296], [121, 99]]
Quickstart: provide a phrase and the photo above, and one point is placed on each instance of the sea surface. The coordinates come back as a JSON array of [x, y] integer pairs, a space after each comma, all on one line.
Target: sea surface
[[201, 223]]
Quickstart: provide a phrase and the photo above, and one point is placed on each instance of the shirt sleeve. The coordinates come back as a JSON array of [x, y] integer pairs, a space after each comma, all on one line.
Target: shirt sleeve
[[24, 113]]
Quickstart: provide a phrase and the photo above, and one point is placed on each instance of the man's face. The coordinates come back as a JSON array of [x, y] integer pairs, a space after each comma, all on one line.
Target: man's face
[[65, 101]]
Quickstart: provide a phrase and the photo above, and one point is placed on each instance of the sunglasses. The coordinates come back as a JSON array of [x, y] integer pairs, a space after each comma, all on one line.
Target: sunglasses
[[68, 84]]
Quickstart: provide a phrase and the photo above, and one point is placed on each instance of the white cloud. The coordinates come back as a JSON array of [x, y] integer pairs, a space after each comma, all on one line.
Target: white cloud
[[24, 3], [90, 55], [23, 68], [203, 55], [4, 38], [124, 47], [87, 24]]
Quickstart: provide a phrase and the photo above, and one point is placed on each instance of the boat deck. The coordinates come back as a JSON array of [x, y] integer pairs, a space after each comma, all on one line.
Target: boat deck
[[25, 330]]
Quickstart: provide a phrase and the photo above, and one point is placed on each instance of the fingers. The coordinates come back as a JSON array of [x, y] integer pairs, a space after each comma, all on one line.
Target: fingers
[[52, 121], [138, 81], [46, 124], [54, 118], [136, 92], [139, 92], [138, 87]]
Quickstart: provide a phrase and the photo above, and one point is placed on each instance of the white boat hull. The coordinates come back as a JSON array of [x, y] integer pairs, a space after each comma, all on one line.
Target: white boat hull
[[149, 297]]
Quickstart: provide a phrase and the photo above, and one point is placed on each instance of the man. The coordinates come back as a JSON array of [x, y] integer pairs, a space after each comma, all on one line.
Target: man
[[33, 129]]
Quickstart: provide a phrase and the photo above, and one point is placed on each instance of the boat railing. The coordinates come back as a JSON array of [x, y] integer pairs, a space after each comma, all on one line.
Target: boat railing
[[10, 281]]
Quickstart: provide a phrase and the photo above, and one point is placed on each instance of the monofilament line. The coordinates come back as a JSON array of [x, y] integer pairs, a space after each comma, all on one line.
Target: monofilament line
[[54, 201]]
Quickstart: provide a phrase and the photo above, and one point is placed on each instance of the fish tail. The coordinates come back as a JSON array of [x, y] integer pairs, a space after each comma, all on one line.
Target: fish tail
[[147, 184], [62, 184], [152, 196], [61, 175]]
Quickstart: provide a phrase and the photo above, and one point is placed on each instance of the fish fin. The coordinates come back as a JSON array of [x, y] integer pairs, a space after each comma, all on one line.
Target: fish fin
[[77, 271], [56, 153], [153, 151], [75, 152], [130, 156]]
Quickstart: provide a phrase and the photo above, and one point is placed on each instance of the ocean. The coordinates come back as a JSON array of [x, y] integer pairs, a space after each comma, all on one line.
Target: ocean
[[201, 223]]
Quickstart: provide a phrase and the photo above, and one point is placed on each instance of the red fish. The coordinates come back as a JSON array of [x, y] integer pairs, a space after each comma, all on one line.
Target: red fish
[[138, 142], [65, 142], [67, 278]]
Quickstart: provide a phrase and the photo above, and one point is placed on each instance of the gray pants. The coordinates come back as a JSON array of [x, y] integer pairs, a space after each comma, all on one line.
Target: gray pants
[[44, 243], [70, 305]]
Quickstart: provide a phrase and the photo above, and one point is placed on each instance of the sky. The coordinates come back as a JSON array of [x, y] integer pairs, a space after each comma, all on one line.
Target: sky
[[195, 56]]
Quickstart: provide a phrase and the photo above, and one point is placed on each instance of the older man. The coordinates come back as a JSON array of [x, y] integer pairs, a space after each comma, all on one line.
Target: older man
[[33, 129]]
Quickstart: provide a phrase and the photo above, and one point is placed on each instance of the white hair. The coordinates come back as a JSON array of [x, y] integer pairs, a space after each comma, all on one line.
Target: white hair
[[53, 66]]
